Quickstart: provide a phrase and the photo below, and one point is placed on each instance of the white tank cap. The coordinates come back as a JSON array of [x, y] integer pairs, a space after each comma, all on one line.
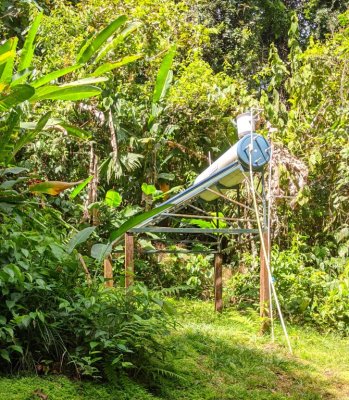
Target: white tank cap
[[245, 124]]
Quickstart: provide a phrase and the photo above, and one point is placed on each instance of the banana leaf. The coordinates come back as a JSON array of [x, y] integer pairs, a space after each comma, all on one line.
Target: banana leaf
[[164, 76], [87, 52], [130, 28], [66, 93], [6, 69], [18, 94], [54, 75], [52, 188], [137, 219], [80, 187], [110, 66], [28, 47]]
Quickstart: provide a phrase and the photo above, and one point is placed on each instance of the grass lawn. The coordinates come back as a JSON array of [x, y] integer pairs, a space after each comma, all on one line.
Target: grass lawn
[[219, 357]]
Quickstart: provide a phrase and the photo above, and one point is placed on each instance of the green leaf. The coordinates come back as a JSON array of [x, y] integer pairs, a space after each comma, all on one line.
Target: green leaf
[[18, 78], [14, 170], [113, 198], [148, 189], [164, 76], [137, 219], [18, 94], [6, 69], [76, 131], [52, 187], [5, 355], [130, 28], [110, 66], [166, 176], [6, 56], [66, 93], [8, 130], [28, 47], [9, 271], [100, 39], [85, 81], [57, 251], [100, 251], [54, 75], [17, 348], [79, 238], [79, 188], [27, 137]]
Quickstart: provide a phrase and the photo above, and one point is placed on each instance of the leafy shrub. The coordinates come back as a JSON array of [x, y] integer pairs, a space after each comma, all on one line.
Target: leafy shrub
[[52, 320], [190, 274], [312, 286]]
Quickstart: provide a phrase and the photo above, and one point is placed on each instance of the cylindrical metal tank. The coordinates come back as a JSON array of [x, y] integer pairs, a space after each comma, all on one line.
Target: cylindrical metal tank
[[239, 152]]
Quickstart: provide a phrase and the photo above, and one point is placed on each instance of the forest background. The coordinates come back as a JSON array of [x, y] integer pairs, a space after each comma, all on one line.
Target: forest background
[[138, 108]]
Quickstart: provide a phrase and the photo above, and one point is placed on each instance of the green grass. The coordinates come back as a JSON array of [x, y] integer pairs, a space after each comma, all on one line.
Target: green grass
[[219, 357], [224, 357]]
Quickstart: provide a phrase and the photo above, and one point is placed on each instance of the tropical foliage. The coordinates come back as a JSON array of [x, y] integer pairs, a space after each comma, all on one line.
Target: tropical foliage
[[108, 107]]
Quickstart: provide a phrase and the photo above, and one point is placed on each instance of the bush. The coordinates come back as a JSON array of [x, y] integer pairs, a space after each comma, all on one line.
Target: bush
[[312, 286], [52, 320], [189, 274]]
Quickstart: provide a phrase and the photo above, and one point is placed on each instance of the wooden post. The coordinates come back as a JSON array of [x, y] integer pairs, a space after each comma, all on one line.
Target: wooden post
[[264, 294], [108, 272], [218, 282], [129, 259]]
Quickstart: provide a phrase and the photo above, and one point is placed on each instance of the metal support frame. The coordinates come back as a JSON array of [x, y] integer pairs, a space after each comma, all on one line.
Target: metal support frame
[[178, 218], [165, 229]]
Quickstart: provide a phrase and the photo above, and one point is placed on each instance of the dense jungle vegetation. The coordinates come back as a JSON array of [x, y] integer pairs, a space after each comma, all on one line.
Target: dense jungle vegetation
[[109, 107]]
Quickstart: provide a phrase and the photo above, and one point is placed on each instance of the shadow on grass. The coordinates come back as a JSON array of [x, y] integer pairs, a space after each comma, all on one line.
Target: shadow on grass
[[215, 368]]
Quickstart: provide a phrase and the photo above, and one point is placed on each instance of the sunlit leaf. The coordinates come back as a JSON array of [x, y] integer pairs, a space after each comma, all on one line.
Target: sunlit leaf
[[5, 56], [85, 81], [18, 94], [110, 66], [113, 198], [66, 93], [130, 28], [100, 39], [164, 76], [76, 131], [52, 187], [29, 136], [80, 187], [18, 78], [6, 69], [148, 189], [54, 75], [28, 47], [137, 219]]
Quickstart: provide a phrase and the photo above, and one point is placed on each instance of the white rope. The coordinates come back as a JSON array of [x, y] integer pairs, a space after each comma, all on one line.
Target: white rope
[[269, 241], [266, 257]]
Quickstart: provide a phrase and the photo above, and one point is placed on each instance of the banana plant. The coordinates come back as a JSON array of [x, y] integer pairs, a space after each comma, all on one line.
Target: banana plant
[[156, 132], [114, 166], [20, 86]]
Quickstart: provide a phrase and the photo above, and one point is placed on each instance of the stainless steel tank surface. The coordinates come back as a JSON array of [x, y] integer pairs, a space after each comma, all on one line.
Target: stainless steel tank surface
[[260, 155]]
